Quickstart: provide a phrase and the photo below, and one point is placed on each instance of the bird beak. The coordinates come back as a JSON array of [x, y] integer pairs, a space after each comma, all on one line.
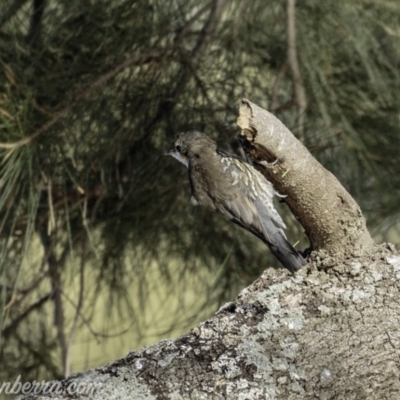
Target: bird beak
[[172, 152], [168, 152]]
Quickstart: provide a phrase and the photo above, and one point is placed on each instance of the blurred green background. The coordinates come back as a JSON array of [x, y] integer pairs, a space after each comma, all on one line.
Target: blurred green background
[[101, 251]]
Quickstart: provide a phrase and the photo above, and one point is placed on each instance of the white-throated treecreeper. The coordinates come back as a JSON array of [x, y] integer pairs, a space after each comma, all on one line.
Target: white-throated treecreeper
[[227, 184]]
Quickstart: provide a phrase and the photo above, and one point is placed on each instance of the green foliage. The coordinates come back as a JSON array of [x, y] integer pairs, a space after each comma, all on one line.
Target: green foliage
[[92, 93]]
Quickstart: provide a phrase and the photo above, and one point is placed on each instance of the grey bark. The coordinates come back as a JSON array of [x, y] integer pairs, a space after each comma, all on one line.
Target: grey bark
[[325, 333]]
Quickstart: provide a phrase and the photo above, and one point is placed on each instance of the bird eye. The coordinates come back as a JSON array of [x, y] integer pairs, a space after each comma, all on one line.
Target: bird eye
[[178, 148]]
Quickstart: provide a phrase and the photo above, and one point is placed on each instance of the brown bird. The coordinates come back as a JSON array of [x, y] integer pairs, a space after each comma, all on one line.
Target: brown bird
[[227, 184]]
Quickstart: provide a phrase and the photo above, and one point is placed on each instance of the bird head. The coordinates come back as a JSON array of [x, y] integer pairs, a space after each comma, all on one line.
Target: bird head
[[189, 144]]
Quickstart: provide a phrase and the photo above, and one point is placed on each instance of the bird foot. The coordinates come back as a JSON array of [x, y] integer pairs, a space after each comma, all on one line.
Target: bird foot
[[267, 164]]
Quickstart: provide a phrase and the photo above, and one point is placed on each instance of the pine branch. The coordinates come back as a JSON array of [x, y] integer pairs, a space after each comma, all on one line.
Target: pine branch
[[11, 11]]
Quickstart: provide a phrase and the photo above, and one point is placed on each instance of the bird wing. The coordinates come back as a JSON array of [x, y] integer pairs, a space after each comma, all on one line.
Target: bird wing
[[249, 203]]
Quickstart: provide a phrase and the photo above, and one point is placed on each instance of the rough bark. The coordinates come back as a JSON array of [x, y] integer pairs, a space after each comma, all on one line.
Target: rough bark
[[330, 334], [325, 333], [331, 218]]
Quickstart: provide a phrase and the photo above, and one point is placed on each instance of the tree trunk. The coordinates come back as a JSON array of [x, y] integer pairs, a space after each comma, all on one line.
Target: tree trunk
[[326, 333]]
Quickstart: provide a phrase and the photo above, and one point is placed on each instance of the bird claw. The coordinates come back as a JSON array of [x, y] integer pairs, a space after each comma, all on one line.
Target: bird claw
[[305, 253], [267, 164]]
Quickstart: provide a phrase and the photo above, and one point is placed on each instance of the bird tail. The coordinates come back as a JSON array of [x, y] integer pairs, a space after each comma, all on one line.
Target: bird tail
[[285, 253]]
